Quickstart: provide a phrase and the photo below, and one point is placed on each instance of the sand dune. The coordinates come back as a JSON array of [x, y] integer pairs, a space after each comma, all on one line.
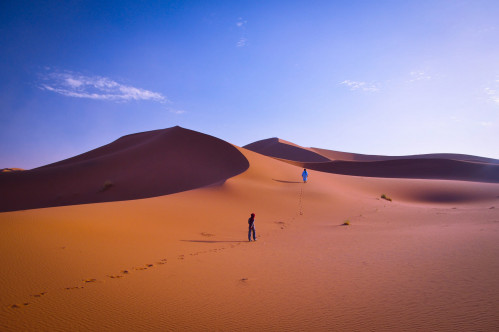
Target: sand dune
[[135, 166], [346, 156], [425, 261], [412, 169], [429, 166], [278, 148]]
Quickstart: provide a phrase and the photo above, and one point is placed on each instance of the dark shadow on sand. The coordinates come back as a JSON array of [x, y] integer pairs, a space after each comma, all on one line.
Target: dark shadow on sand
[[282, 181], [206, 241]]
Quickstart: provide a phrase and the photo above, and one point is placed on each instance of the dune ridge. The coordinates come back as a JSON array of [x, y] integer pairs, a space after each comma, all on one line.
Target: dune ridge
[[278, 148], [429, 166], [348, 156], [141, 165]]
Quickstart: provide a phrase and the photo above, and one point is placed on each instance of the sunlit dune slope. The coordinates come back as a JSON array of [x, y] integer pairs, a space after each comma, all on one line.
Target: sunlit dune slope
[[135, 166]]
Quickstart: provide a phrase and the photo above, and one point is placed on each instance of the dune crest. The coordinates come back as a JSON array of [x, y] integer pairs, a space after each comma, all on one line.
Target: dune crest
[[141, 165], [278, 148], [348, 156]]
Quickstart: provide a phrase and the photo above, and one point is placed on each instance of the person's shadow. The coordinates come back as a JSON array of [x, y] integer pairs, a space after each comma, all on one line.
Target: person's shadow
[[207, 241], [283, 181]]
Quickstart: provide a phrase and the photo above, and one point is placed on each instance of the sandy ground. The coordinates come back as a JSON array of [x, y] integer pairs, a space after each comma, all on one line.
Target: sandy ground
[[426, 261]]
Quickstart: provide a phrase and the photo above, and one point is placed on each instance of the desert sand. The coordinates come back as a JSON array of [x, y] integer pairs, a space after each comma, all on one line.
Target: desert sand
[[150, 233]]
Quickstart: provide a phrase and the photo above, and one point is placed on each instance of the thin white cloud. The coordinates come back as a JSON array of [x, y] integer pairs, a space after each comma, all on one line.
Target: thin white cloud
[[241, 25], [486, 124], [242, 42], [174, 111], [240, 22], [362, 86], [493, 94], [76, 85], [419, 76]]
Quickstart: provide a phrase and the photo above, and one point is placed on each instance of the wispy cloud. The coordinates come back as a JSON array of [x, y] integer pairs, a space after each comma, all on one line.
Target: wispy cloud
[[71, 84], [241, 25], [362, 86], [242, 42], [493, 93], [486, 123], [175, 111], [419, 76], [240, 22]]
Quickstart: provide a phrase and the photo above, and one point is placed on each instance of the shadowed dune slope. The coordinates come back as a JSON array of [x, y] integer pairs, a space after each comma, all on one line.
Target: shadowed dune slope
[[441, 169], [278, 148], [135, 166]]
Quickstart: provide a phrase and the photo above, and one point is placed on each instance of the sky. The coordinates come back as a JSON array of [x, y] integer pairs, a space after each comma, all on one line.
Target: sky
[[372, 77]]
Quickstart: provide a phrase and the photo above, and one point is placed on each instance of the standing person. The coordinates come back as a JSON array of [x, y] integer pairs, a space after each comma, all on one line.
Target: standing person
[[304, 175], [251, 224]]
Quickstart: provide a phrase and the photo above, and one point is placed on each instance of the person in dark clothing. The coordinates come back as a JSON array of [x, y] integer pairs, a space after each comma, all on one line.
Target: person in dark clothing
[[251, 224]]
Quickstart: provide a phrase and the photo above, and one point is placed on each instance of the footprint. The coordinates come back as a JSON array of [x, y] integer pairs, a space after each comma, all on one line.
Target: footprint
[[15, 306], [125, 272], [39, 295], [282, 224], [90, 280], [180, 257], [76, 287], [150, 265], [140, 268], [207, 234], [115, 276]]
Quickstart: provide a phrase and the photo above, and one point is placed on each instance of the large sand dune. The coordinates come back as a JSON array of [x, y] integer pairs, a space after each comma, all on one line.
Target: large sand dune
[[135, 166], [426, 261]]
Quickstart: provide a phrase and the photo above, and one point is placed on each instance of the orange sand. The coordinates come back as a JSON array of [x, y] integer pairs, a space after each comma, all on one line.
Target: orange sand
[[426, 261]]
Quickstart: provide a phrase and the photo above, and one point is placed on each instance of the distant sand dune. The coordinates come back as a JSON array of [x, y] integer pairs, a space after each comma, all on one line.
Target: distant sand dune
[[347, 156], [442, 169], [430, 166], [135, 166], [278, 148]]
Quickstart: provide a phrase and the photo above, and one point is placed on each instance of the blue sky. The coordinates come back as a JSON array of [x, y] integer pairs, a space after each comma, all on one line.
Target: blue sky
[[373, 77]]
